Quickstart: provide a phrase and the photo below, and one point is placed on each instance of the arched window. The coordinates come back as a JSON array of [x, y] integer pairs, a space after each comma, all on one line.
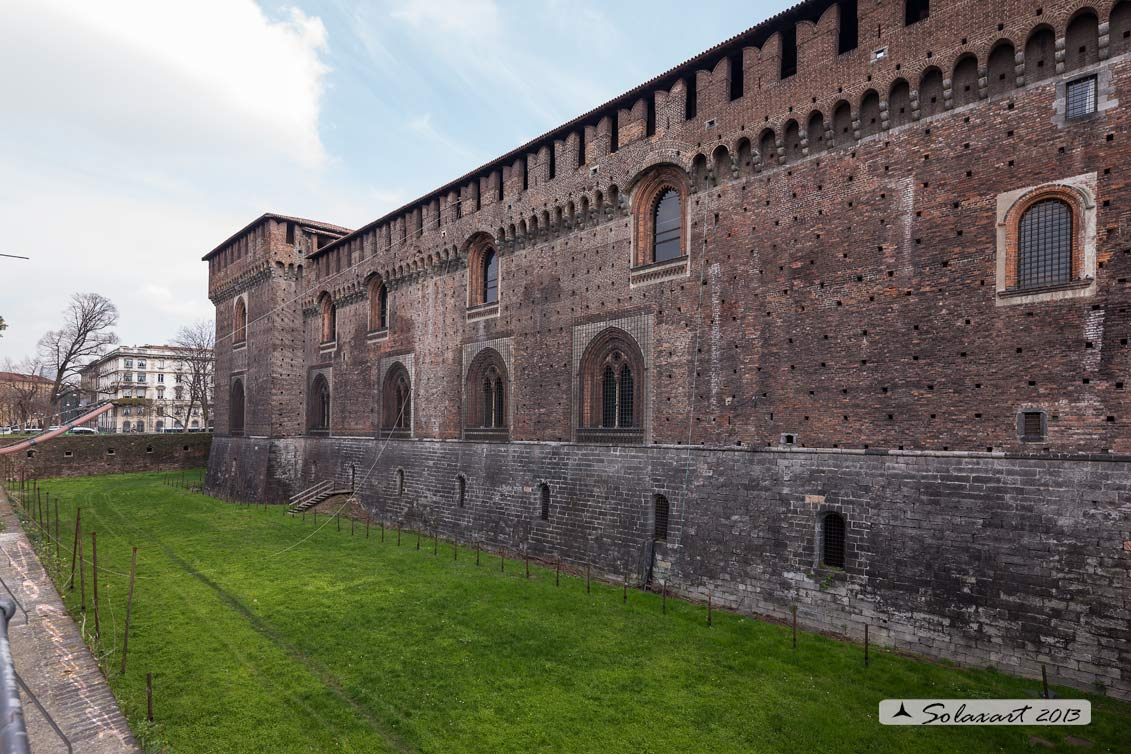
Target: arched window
[[842, 124], [396, 396], [610, 388], [482, 270], [658, 211], [1000, 75], [544, 499], [660, 519], [486, 397], [490, 277], [319, 409], [329, 319], [792, 141], [832, 540], [400, 482], [378, 305], [239, 322], [1044, 244], [235, 409], [1120, 28]]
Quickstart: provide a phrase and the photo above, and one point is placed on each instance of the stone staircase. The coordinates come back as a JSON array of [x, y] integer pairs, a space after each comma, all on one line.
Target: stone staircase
[[312, 496]]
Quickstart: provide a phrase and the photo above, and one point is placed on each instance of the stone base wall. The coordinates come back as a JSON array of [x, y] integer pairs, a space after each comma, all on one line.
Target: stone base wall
[[85, 455], [984, 560]]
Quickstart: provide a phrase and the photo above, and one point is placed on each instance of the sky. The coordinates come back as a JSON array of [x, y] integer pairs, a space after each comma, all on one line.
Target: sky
[[136, 135]]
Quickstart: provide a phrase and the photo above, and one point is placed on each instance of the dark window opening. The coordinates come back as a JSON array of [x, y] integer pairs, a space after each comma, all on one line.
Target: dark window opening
[[788, 51], [462, 487], [291, 233], [736, 74], [544, 495], [691, 107], [1044, 246], [320, 404], [614, 132], [660, 527], [236, 409], [525, 175], [382, 307], [832, 549], [499, 185], [849, 31], [650, 116], [1081, 97], [581, 147], [400, 481], [915, 11], [553, 161]]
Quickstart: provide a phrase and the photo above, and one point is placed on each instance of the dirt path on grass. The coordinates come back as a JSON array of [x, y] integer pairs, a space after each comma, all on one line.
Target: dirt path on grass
[[51, 658]]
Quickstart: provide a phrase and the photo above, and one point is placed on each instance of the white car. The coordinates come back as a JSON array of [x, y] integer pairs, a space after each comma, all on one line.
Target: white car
[[81, 431]]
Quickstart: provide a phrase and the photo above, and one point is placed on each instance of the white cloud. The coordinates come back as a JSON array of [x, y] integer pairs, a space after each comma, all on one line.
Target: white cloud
[[140, 133]]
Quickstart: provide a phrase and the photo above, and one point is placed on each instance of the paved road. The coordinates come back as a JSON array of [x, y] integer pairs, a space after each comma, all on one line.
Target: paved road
[[52, 659]]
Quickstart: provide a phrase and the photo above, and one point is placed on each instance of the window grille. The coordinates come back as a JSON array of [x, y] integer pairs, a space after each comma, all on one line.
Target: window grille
[[624, 402], [488, 396], [499, 422], [1044, 248], [666, 241], [609, 394], [545, 495], [1032, 426], [832, 553], [1081, 97], [660, 529], [462, 490]]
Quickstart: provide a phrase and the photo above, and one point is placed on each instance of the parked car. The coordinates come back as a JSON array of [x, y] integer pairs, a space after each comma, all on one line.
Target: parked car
[[5, 430], [81, 431], [54, 427]]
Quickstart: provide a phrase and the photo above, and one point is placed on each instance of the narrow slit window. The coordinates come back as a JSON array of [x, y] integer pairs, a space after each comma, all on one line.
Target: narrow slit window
[[544, 495], [490, 277], [662, 511], [667, 227]]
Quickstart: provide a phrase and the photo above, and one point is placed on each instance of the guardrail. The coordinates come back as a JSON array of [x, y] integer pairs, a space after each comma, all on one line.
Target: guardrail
[[13, 731]]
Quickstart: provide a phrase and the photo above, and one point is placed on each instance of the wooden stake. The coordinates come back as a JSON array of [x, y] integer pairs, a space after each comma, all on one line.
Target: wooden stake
[[526, 556], [82, 579], [367, 527], [865, 645], [477, 552], [664, 597], [558, 573], [587, 578], [94, 580], [435, 543], [398, 535], [149, 696], [502, 563], [418, 539], [353, 521], [57, 555], [793, 609], [625, 600], [709, 607], [1045, 682], [129, 607], [455, 548], [338, 521]]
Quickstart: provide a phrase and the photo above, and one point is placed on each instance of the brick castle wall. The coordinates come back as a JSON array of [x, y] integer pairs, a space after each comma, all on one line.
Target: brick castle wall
[[86, 455], [1003, 561]]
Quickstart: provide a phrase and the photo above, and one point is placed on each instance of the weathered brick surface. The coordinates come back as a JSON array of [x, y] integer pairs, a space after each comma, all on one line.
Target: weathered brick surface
[[841, 286], [84, 455]]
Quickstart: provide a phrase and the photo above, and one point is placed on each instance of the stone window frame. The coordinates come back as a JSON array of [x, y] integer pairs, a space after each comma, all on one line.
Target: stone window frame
[[1079, 193], [823, 517], [647, 192], [327, 376], [487, 362], [590, 404], [392, 422]]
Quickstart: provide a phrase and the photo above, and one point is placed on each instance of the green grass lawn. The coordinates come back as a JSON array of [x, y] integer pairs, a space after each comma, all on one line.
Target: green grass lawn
[[267, 635]]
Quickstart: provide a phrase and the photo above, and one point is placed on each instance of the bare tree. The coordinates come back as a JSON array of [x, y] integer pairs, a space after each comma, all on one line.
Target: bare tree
[[85, 335], [25, 399], [197, 344], [3, 326]]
